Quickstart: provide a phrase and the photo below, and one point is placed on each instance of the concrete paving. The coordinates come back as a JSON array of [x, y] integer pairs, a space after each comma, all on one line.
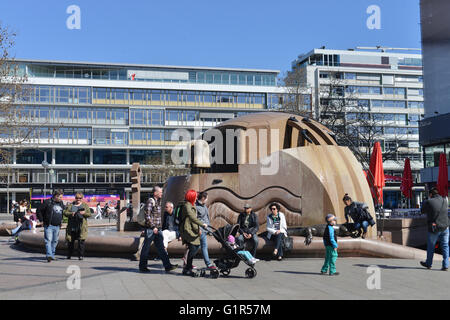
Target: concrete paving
[[27, 275]]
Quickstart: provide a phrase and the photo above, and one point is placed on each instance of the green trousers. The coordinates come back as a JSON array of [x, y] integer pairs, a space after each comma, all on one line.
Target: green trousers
[[330, 260]]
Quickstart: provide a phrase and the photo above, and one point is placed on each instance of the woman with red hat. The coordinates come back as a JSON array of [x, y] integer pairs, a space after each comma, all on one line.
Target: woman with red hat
[[190, 229]]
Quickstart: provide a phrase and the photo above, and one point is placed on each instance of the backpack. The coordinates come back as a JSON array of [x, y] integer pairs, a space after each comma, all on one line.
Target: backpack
[[141, 216], [365, 214], [177, 215]]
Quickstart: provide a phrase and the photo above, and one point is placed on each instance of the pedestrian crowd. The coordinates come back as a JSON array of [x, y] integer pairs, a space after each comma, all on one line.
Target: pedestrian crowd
[[189, 222]]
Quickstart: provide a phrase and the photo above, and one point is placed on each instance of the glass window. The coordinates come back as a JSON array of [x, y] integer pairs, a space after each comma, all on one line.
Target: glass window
[[217, 78], [72, 156], [249, 79], [209, 77], [350, 76], [149, 157], [121, 94], [258, 80], [173, 115], [137, 116], [156, 119], [432, 155], [33, 156], [242, 79], [82, 177], [156, 95], [62, 95], [102, 136], [173, 96], [208, 97], [112, 156], [234, 79], [119, 137]]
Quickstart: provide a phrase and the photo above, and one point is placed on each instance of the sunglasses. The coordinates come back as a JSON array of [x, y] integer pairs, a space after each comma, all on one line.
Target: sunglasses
[[273, 209], [79, 198]]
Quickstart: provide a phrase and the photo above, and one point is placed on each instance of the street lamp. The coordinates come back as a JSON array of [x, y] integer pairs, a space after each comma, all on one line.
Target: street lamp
[[46, 166]]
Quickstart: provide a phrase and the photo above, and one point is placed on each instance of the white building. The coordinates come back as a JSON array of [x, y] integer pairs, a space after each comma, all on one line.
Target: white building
[[390, 87], [93, 120]]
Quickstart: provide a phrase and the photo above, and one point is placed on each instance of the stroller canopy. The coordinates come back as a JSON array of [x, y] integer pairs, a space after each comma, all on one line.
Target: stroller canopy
[[223, 233]]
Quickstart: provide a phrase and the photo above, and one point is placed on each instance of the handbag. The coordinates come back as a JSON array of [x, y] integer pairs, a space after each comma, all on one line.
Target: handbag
[[288, 243]]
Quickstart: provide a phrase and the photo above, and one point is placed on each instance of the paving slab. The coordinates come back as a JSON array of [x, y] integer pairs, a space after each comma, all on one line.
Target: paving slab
[[27, 275]]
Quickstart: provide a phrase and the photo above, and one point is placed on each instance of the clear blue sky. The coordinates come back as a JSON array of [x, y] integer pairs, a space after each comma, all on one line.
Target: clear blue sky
[[227, 33]]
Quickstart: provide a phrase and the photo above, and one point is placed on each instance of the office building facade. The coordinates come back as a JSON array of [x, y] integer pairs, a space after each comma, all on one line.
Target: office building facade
[[435, 127], [91, 121]]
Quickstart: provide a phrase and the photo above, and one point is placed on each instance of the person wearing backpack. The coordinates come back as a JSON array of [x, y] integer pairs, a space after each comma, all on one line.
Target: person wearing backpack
[[150, 218], [190, 229], [77, 226], [51, 214], [436, 209], [169, 225]]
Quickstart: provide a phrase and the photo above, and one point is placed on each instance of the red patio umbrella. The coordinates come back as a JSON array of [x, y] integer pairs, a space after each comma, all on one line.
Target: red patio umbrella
[[376, 176], [407, 180], [442, 183]]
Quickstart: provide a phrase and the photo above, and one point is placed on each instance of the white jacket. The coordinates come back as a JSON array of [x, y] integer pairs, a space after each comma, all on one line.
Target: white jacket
[[270, 227]]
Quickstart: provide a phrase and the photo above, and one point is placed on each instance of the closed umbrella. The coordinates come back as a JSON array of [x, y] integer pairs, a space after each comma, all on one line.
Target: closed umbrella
[[376, 176], [442, 183], [407, 180]]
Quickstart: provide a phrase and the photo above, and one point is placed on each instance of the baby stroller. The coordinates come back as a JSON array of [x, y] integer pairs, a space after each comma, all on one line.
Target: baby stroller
[[230, 259]]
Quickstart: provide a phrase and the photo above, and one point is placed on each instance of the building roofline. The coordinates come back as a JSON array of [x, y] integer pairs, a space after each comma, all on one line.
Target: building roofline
[[357, 52], [133, 65]]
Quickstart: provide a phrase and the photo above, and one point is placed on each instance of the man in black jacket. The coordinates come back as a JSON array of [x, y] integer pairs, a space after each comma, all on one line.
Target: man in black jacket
[[51, 214], [249, 226], [436, 209]]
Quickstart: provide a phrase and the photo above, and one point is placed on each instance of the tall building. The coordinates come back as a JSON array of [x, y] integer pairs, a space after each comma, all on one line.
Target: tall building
[[388, 88], [435, 127], [91, 121]]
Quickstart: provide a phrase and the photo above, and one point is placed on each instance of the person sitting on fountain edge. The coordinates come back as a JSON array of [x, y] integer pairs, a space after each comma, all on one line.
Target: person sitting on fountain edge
[[359, 213]]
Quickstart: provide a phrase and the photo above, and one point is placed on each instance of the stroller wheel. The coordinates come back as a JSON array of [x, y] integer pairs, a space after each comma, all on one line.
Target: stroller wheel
[[250, 273], [214, 274], [225, 272]]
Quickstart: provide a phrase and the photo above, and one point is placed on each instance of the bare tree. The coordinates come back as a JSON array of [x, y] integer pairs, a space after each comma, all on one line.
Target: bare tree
[[15, 128], [296, 100]]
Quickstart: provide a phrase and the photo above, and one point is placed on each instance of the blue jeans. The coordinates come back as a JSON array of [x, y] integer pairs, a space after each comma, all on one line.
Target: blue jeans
[[364, 224], [15, 230], [245, 254], [150, 236], [253, 240], [278, 241], [442, 236], [51, 234], [204, 246]]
